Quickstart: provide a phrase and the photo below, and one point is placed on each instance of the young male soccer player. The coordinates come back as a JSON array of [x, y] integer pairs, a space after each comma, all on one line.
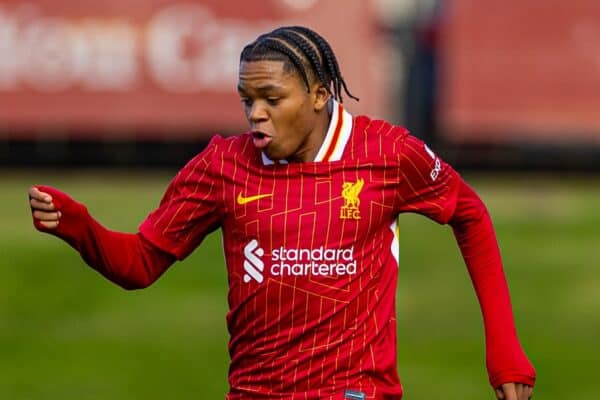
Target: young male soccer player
[[307, 201]]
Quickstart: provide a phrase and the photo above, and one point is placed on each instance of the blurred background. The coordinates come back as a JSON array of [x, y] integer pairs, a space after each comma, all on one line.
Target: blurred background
[[107, 100]]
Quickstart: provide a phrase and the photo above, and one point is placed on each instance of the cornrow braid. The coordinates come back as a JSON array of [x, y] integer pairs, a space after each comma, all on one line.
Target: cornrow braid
[[274, 44], [309, 51], [300, 48], [330, 58]]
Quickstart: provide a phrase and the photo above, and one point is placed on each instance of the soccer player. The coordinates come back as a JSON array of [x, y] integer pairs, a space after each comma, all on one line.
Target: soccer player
[[307, 201]]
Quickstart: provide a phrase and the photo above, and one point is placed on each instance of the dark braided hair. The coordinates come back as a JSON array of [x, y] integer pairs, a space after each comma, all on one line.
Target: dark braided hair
[[300, 48]]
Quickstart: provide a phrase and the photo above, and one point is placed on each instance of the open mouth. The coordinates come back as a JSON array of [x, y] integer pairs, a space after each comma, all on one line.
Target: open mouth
[[261, 139]]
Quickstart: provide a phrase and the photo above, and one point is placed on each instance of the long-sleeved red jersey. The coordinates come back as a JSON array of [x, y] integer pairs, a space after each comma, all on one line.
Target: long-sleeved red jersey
[[312, 256]]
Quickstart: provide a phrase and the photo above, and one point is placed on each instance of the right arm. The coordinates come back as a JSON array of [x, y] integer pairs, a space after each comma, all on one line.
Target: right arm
[[189, 210], [126, 259]]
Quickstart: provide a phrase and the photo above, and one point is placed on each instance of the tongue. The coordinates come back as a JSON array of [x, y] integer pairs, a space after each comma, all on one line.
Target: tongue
[[261, 141]]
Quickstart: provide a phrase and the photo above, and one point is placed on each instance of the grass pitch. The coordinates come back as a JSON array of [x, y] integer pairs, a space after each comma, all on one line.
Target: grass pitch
[[66, 333]]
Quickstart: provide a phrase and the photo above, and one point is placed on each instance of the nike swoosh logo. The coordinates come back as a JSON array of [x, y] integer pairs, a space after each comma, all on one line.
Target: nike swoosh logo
[[241, 200]]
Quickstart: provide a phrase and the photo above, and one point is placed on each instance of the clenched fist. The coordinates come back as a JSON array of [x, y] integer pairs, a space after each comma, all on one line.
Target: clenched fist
[[50, 206], [44, 210]]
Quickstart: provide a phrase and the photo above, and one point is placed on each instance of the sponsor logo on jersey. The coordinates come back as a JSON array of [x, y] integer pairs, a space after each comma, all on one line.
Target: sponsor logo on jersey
[[436, 169], [437, 165], [253, 265], [350, 193], [319, 261], [241, 200]]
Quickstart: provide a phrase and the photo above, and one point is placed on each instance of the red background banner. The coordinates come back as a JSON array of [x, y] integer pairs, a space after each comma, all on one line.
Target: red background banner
[[156, 67], [523, 72]]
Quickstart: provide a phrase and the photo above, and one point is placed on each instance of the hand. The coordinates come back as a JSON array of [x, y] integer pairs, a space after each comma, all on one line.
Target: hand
[[44, 211], [514, 391]]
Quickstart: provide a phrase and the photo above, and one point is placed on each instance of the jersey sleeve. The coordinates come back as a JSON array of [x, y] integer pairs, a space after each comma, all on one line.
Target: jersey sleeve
[[124, 258], [428, 185], [474, 232], [431, 187], [190, 208]]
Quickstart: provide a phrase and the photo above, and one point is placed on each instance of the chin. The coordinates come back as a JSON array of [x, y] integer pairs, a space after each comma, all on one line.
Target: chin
[[274, 155]]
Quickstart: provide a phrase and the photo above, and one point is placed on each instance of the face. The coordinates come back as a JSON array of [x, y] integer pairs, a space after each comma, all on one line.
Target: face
[[286, 121]]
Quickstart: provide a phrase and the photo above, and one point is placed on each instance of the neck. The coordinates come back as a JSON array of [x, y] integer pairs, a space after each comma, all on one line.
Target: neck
[[314, 140]]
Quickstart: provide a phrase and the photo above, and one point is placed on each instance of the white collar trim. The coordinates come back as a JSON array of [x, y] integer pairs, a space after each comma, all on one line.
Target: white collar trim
[[338, 135], [336, 139]]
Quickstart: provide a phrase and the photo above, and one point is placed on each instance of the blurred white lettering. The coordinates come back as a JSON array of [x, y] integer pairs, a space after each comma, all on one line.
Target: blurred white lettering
[[299, 5], [105, 56], [182, 48], [191, 50], [53, 54], [8, 61]]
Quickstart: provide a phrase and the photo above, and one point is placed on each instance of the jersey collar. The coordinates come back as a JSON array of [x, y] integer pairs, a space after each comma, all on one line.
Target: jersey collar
[[337, 136], [336, 139]]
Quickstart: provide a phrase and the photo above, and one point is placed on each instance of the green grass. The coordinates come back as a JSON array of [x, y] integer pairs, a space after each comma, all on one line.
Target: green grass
[[66, 333]]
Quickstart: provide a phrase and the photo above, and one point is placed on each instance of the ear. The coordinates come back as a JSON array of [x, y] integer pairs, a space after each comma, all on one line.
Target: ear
[[321, 97]]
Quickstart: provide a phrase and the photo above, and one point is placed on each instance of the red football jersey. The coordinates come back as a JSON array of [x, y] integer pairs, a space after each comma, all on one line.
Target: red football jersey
[[311, 251]]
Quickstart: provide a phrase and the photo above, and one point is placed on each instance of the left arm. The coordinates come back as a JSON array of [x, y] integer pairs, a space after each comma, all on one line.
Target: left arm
[[431, 187], [474, 232]]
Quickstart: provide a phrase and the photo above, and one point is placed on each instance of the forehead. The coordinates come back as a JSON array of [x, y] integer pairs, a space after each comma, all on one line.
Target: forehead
[[255, 74]]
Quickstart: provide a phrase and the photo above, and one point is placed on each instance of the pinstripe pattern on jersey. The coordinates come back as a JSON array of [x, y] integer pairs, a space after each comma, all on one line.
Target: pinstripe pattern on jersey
[[308, 336]]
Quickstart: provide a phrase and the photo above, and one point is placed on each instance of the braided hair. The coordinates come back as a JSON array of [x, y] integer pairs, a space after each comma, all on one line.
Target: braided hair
[[303, 50]]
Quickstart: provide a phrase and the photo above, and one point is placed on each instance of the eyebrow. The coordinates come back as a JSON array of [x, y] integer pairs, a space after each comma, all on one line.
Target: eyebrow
[[264, 88]]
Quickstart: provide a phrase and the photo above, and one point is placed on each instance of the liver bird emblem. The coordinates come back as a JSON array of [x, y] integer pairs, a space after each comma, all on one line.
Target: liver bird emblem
[[350, 192]]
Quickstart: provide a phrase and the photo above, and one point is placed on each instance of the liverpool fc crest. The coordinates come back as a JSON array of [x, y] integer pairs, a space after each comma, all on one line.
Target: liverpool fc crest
[[350, 193]]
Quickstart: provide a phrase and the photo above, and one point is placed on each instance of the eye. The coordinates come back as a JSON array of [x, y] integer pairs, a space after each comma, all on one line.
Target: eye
[[246, 101], [273, 100]]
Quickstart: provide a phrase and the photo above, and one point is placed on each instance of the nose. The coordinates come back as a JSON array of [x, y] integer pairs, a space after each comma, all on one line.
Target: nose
[[257, 113]]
